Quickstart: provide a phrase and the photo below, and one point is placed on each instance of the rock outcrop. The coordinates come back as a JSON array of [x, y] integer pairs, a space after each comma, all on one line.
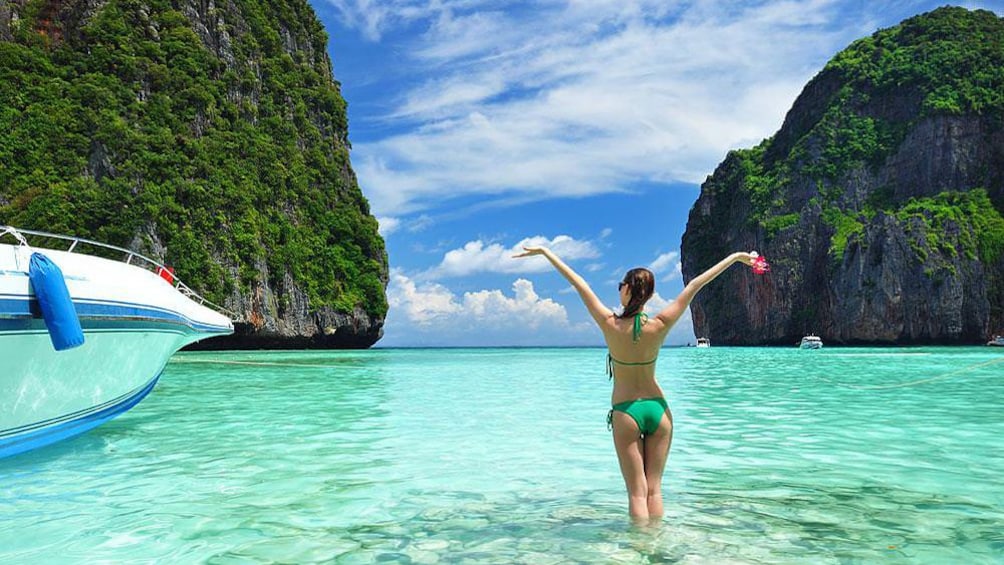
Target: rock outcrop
[[209, 135], [878, 202]]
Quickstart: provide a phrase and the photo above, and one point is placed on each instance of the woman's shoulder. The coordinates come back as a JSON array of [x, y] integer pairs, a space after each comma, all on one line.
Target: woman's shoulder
[[654, 325], [611, 321]]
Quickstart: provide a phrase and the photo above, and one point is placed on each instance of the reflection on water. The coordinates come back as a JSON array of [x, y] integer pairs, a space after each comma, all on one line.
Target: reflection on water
[[502, 455]]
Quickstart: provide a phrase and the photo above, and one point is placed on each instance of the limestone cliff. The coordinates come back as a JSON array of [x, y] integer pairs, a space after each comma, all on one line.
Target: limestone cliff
[[878, 201], [208, 134]]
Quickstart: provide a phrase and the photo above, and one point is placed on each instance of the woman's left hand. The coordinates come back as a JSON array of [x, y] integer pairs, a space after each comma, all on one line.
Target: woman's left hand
[[748, 258]]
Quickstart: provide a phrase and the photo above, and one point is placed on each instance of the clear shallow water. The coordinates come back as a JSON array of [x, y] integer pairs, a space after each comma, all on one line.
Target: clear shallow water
[[502, 455]]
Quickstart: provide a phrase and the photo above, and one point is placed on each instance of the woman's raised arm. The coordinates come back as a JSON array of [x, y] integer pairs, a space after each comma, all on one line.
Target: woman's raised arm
[[670, 314], [596, 309]]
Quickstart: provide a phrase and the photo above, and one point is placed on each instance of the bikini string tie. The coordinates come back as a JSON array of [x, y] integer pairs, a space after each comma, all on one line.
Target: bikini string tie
[[639, 321]]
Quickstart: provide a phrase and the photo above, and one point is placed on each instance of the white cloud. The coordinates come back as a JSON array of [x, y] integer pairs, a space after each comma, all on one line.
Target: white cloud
[[420, 223], [584, 97], [667, 262], [388, 225], [430, 314], [524, 309], [656, 304], [479, 257], [479, 34], [433, 306], [373, 17]]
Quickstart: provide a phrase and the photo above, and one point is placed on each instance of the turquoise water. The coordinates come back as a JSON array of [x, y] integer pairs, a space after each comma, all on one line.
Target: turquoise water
[[502, 455]]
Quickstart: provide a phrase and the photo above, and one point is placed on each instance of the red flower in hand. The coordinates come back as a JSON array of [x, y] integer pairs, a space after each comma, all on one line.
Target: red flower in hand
[[760, 266]]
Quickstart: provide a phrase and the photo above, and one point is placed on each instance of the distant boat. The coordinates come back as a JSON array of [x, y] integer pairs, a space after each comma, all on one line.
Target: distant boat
[[997, 341], [130, 313], [703, 342], [811, 342]]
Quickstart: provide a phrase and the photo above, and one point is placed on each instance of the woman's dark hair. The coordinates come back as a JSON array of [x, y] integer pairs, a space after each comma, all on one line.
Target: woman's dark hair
[[641, 281]]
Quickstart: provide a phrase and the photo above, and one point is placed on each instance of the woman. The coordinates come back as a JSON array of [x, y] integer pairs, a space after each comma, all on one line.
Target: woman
[[640, 418]]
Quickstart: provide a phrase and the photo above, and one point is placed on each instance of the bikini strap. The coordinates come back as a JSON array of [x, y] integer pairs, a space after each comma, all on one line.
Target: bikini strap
[[639, 320], [611, 362]]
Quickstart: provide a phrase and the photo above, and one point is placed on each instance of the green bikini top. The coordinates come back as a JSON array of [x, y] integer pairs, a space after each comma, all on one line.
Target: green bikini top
[[639, 320]]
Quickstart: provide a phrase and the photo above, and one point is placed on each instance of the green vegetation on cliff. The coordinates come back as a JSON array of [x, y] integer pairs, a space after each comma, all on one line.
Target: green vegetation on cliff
[[953, 223], [954, 57], [949, 224], [131, 126], [948, 62]]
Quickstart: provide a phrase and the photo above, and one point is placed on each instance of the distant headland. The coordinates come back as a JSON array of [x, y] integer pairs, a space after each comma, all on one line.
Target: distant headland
[[879, 201]]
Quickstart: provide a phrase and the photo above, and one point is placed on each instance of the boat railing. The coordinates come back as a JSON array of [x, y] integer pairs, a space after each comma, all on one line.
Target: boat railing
[[123, 255]]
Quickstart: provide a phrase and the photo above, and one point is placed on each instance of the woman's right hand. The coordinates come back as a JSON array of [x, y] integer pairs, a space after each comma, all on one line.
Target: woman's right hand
[[531, 251]]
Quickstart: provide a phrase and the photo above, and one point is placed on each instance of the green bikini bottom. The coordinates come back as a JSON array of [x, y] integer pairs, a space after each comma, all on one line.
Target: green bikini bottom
[[646, 412]]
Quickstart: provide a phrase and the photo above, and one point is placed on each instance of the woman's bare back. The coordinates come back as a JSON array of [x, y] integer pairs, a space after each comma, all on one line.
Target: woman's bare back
[[633, 365]]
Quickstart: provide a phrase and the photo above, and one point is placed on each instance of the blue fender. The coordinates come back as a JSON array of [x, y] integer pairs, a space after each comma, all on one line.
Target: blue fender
[[54, 300]]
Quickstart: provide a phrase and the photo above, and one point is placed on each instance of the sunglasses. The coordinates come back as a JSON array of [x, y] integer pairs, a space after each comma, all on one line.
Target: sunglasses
[[621, 285]]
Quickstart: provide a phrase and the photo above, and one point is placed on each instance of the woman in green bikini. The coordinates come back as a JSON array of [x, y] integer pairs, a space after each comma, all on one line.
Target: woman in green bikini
[[641, 420]]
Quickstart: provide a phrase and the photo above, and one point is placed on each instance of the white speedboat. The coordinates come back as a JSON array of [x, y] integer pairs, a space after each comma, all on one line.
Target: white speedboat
[[132, 319], [811, 342], [997, 341], [703, 342]]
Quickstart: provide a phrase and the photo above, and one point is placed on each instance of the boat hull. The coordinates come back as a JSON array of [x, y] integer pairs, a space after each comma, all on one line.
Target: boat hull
[[810, 342], [132, 321]]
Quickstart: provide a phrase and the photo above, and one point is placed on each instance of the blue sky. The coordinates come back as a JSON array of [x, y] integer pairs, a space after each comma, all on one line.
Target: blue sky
[[585, 125]]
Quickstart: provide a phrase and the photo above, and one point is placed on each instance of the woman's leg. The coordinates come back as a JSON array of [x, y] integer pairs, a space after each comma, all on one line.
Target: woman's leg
[[630, 453], [656, 447]]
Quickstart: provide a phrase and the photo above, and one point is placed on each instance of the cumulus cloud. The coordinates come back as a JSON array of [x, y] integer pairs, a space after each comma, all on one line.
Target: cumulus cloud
[[524, 308], [432, 306], [577, 98], [427, 305], [428, 313], [480, 257]]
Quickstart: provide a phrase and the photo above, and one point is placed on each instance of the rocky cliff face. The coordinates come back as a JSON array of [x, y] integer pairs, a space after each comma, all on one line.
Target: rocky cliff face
[[209, 135], [878, 202]]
